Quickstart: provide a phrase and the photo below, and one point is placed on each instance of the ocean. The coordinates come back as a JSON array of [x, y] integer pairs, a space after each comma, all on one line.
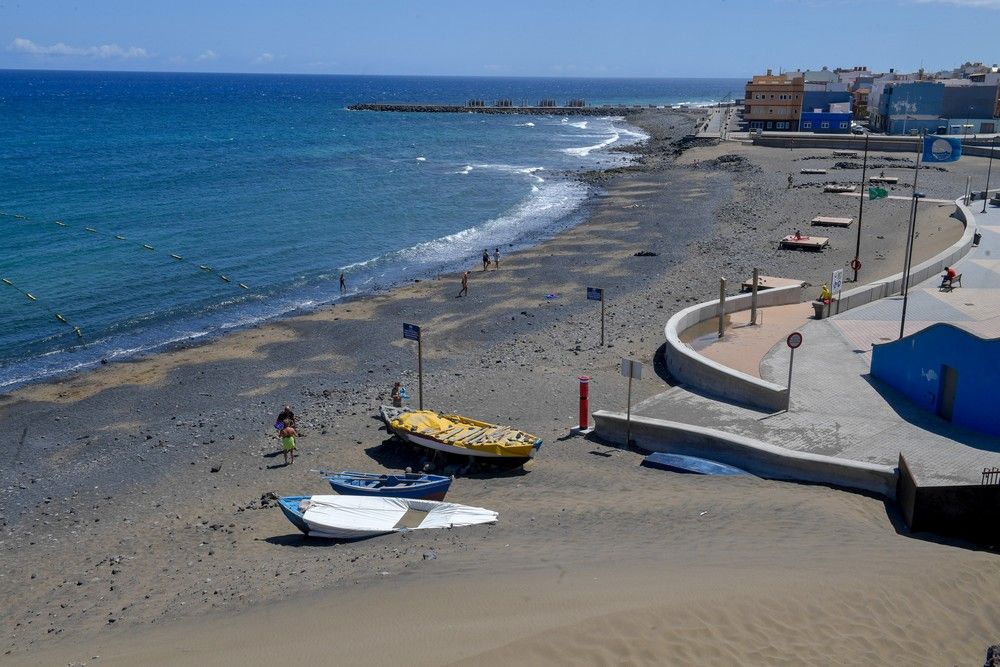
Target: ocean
[[141, 210]]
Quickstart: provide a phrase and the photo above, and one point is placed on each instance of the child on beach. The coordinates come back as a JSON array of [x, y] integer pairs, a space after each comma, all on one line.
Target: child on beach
[[397, 396], [287, 435]]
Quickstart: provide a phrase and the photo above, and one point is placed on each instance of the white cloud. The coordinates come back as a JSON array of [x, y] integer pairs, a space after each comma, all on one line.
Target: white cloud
[[207, 55], [22, 45], [264, 58]]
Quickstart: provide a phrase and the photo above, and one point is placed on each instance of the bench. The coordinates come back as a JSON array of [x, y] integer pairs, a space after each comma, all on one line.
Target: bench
[[949, 285]]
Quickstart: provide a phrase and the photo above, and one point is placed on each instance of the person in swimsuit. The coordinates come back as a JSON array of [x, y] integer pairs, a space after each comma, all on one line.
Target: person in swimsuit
[[285, 418], [288, 434], [486, 259], [465, 285], [496, 258]]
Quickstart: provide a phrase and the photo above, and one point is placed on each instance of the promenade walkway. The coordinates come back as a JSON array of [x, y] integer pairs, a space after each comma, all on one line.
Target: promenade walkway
[[838, 410]]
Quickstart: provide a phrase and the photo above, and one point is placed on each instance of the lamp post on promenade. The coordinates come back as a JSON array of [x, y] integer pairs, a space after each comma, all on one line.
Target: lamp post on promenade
[[989, 169], [908, 255], [856, 264]]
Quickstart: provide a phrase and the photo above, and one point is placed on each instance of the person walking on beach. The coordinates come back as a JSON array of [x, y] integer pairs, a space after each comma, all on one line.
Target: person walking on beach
[[287, 434], [486, 259], [343, 283], [496, 258], [790, 179], [465, 285]]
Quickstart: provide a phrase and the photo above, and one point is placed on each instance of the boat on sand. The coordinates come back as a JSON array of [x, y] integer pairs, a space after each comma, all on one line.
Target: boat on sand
[[456, 434], [353, 517], [397, 485]]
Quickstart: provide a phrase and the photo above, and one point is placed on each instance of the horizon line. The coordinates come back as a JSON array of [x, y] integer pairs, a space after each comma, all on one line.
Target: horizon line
[[457, 76]]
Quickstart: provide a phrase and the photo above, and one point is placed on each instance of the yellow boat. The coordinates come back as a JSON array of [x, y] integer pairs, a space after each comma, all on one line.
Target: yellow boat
[[460, 435]]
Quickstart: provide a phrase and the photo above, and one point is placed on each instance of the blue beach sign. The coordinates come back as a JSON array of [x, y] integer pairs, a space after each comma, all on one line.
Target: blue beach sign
[[595, 294], [941, 149], [411, 331]]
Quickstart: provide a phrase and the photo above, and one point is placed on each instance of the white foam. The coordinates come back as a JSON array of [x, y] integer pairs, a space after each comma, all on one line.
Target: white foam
[[464, 171], [582, 125], [421, 159], [528, 124], [584, 151], [548, 203]]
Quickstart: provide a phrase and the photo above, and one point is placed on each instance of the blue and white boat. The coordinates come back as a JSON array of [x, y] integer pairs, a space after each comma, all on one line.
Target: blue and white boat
[[405, 485], [355, 517]]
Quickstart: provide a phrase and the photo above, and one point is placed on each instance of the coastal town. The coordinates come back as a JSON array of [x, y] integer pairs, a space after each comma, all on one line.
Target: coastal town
[[740, 412]]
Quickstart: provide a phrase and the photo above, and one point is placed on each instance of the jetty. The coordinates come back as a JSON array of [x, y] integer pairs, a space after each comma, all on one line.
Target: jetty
[[543, 108]]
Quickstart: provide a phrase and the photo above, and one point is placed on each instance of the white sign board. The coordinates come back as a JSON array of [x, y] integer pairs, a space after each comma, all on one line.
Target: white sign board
[[837, 281], [631, 368]]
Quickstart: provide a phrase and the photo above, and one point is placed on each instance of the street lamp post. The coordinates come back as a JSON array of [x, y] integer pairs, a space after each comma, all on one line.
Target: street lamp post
[[908, 254], [856, 264], [989, 169]]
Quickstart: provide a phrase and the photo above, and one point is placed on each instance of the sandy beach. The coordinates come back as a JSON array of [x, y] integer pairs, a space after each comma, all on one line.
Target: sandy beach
[[119, 541]]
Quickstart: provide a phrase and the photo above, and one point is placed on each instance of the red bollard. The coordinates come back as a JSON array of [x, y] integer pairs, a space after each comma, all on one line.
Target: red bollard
[[584, 402]]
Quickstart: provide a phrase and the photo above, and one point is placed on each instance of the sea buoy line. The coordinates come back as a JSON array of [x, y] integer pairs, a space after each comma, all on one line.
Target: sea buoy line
[[119, 237], [32, 297]]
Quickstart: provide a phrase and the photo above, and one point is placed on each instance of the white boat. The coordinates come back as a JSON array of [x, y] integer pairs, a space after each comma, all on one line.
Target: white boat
[[352, 517]]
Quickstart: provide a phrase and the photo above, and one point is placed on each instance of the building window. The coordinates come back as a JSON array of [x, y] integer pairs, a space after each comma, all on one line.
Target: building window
[[757, 125], [770, 125], [807, 125], [843, 125], [781, 126], [824, 125]]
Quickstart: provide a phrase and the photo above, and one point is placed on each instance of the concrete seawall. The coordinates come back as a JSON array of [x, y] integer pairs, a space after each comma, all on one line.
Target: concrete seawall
[[754, 456], [700, 372]]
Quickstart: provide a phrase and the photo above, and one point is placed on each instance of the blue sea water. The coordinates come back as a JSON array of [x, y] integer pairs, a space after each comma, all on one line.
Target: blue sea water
[[272, 183]]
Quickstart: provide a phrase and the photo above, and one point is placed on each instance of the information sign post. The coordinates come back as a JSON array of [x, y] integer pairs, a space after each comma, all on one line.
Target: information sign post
[[793, 341], [412, 332]]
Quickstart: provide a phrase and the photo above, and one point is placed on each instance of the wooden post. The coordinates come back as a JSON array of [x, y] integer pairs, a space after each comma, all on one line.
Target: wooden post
[[722, 307], [753, 298]]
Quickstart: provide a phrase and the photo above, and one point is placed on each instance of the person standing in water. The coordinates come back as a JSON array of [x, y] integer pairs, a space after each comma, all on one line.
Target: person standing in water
[[343, 282], [496, 258]]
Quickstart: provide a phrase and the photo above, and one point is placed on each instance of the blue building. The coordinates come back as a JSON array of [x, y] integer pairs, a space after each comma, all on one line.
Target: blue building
[[945, 370], [826, 112]]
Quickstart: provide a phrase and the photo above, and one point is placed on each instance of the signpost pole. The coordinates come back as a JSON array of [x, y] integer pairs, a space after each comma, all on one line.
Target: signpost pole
[[753, 298], [791, 360], [602, 318], [420, 373], [412, 332], [793, 341]]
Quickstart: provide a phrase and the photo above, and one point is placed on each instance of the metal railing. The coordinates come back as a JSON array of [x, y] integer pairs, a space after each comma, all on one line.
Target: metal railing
[[991, 475]]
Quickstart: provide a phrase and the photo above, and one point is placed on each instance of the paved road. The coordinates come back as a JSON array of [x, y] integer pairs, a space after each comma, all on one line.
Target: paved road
[[838, 410]]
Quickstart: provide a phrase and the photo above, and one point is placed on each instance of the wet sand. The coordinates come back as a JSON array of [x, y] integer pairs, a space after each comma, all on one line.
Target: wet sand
[[119, 540]]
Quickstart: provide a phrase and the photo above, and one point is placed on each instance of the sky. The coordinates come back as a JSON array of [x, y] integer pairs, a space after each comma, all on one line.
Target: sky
[[639, 38]]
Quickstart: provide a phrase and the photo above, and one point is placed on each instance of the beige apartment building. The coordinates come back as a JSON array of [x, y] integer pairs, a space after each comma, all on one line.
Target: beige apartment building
[[773, 102]]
